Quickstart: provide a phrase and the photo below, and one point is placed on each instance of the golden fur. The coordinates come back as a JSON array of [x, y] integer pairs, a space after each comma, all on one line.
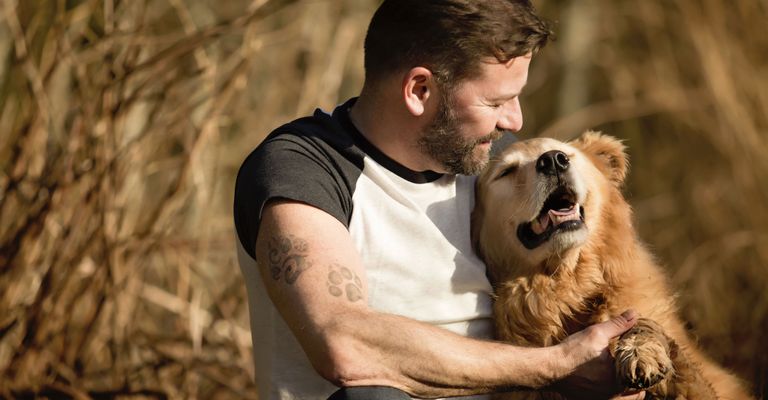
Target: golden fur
[[587, 272]]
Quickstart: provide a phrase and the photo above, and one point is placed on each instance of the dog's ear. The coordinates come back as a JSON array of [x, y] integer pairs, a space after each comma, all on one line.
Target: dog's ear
[[607, 153]]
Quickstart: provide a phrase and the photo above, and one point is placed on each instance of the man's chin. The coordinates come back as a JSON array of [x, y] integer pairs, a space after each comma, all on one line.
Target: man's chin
[[476, 162], [481, 155]]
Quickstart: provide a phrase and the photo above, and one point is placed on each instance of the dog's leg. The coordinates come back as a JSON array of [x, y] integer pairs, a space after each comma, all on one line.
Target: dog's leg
[[643, 356], [647, 359]]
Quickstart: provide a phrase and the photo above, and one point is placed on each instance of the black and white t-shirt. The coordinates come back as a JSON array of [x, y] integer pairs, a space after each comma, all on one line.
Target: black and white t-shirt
[[410, 228]]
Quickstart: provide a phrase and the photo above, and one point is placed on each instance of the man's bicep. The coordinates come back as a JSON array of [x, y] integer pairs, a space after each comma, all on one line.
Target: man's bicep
[[309, 265]]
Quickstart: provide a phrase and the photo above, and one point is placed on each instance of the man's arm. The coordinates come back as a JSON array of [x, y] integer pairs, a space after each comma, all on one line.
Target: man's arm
[[315, 278]]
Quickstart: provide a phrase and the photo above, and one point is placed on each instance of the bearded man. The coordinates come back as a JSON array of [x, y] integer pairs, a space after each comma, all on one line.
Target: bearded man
[[354, 225]]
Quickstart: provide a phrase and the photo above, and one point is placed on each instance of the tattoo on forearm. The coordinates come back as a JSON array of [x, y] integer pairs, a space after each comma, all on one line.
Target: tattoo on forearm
[[341, 281], [287, 258]]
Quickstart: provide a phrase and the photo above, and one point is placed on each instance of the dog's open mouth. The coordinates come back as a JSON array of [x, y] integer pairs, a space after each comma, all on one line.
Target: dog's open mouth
[[560, 213]]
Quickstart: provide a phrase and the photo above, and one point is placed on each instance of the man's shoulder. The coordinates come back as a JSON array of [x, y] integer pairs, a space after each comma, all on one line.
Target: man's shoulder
[[320, 135], [316, 147], [302, 132], [321, 126]]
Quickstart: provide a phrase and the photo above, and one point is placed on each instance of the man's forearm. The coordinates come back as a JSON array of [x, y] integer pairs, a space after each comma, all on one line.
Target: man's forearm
[[368, 348]]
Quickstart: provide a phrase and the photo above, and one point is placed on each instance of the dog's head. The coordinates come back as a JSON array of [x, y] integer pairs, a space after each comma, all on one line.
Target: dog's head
[[542, 200]]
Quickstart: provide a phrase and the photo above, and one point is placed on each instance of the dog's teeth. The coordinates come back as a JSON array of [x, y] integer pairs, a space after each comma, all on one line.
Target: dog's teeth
[[540, 224], [560, 216], [536, 227], [544, 220]]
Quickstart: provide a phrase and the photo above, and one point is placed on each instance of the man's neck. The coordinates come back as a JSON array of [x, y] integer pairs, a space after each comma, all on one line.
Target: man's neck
[[390, 128]]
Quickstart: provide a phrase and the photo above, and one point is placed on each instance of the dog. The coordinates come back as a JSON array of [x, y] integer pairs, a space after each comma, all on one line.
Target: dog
[[556, 234]]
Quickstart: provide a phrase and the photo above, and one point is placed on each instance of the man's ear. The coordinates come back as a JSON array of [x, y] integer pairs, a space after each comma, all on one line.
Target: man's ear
[[607, 153], [418, 86]]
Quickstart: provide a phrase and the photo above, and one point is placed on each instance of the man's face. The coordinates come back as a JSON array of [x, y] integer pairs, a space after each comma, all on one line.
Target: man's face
[[475, 113]]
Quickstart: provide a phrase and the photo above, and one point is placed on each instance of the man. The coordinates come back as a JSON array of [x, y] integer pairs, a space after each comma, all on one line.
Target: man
[[359, 220]]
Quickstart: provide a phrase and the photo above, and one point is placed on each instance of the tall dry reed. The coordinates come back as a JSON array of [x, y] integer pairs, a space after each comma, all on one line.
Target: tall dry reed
[[122, 125]]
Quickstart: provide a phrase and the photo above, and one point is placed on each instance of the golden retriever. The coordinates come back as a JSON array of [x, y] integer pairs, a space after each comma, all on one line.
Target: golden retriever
[[557, 236]]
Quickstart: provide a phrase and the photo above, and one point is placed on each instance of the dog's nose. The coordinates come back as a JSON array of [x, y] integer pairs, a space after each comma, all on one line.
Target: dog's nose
[[552, 163]]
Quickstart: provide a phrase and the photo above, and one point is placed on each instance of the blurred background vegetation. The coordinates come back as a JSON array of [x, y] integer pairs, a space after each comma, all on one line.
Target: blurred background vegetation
[[123, 124]]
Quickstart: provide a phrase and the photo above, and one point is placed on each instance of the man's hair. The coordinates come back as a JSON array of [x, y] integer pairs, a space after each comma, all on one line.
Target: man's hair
[[450, 37]]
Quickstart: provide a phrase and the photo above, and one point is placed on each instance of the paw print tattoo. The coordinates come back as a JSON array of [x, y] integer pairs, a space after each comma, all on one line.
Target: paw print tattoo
[[341, 281], [288, 258]]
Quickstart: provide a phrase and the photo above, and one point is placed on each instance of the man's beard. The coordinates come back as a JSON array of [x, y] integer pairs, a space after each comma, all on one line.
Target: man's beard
[[443, 141]]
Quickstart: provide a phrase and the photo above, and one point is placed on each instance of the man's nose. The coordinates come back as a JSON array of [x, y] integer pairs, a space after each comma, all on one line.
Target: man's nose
[[552, 163], [512, 118]]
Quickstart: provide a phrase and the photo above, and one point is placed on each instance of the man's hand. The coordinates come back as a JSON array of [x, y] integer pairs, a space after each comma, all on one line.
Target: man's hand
[[594, 373]]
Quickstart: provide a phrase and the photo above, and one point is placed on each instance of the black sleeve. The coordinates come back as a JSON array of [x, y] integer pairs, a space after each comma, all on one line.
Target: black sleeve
[[294, 167]]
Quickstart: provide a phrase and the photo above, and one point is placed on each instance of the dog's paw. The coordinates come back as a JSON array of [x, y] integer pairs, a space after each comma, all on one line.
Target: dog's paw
[[642, 356]]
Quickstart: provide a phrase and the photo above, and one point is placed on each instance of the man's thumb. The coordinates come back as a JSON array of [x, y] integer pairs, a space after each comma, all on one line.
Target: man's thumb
[[620, 324]]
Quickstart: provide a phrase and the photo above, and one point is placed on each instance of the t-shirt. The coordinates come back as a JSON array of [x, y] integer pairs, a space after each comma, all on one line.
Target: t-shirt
[[411, 229]]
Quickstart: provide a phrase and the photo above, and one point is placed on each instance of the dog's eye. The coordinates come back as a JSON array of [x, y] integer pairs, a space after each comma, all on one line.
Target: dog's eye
[[508, 170]]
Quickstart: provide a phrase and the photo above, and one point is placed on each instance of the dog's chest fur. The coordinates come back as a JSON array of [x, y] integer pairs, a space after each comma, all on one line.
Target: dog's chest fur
[[542, 310]]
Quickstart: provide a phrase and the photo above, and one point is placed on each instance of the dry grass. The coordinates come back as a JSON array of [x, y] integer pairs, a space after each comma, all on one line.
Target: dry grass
[[122, 124]]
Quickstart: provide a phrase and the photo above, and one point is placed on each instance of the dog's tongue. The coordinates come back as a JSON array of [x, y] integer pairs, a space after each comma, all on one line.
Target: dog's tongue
[[560, 216], [555, 217]]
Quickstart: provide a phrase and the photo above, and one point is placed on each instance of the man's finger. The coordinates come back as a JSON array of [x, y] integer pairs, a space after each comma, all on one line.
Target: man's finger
[[618, 325]]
